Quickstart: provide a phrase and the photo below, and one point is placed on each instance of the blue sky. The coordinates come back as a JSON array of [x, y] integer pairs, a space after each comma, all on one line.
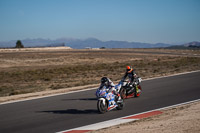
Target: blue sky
[[151, 21]]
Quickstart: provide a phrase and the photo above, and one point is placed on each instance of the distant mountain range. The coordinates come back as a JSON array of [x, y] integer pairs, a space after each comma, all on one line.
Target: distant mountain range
[[190, 45], [81, 44], [85, 43], [95, 43], [32, 43]]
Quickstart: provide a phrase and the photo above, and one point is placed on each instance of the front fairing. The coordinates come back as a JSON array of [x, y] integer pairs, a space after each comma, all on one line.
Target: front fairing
[[109, 96], [101, 92]]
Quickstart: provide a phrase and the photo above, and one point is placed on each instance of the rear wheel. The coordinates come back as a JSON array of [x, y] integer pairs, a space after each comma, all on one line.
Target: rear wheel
[[101, 107]]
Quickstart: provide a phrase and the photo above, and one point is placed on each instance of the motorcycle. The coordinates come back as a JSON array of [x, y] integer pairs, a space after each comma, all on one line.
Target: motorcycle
[[127, 91], [107, 101]]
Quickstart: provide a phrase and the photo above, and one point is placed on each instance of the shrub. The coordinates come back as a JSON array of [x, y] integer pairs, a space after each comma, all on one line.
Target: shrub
[[19, 44]]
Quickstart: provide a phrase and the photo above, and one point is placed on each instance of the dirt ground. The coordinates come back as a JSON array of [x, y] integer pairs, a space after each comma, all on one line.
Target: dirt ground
[[34, 72], [181, 119]]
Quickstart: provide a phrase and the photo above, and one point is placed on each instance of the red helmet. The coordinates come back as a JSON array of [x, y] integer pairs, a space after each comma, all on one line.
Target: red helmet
[[129, 69]]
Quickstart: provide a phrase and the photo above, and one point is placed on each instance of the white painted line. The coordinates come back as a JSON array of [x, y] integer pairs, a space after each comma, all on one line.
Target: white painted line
[[172, 75], [90, 89], [121, 120], [104, 124], [101, 125]]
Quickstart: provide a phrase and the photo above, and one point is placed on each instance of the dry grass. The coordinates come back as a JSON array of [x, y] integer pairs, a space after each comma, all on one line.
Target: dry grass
[[24, 72]]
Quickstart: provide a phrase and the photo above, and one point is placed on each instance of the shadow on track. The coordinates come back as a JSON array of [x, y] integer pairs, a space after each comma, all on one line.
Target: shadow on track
[[84, 99], [71, 111]]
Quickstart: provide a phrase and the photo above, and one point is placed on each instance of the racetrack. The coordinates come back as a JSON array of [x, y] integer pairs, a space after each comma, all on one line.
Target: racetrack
[[72, 110]]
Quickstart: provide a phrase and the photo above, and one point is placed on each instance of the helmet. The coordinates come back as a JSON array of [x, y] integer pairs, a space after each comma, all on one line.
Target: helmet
[[129, 69], [104, 81]]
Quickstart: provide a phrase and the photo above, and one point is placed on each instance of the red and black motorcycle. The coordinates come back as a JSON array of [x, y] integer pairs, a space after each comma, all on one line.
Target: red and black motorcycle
[[127, 90]]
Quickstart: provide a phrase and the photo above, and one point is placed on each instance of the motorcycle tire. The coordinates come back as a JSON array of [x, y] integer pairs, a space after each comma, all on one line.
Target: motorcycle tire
[[123, 93], [101, 107], [120, 106]]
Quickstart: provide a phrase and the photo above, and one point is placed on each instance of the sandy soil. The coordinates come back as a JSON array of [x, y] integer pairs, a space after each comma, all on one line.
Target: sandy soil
[[34, 49], [181, 119]]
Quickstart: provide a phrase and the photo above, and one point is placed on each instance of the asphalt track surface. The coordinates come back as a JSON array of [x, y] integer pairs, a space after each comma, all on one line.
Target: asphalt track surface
[[66, 111]]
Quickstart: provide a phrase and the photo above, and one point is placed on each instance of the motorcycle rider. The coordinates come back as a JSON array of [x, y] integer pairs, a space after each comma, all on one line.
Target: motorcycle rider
[[133, 78], [110, 86]]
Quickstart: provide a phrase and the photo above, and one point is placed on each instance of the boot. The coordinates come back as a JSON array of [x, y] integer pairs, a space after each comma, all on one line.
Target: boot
[[137, 90], [118, 98]]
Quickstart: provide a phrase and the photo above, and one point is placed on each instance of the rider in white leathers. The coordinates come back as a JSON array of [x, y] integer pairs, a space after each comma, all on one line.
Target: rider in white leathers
[[110, 86]]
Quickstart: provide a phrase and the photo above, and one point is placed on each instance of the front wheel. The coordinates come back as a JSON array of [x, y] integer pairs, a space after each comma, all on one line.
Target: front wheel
[[101, 107], [123, 93], [120, 105]]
